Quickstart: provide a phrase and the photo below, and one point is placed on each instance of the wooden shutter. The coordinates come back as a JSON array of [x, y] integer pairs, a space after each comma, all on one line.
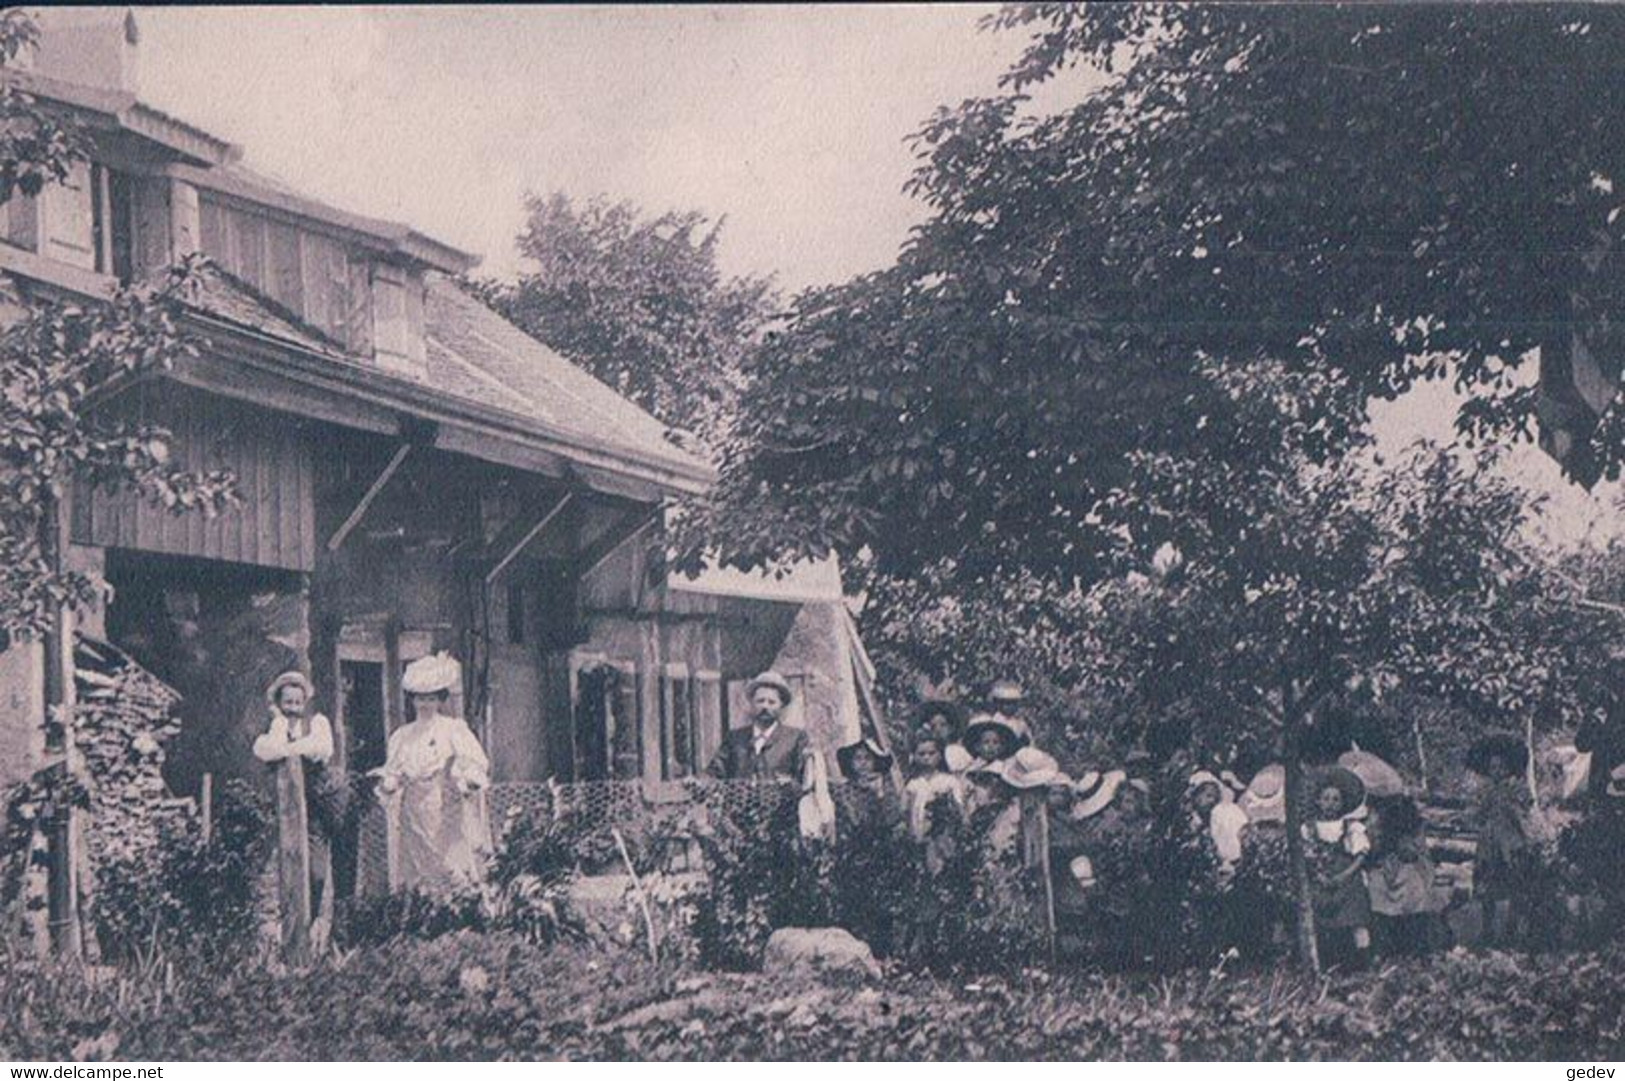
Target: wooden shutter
[[626, 738], [22, 221], [149, 225], [216, 241], [284, 281], [676, 723], [356, 331], [247, 232], [708, 723], [70, 218]]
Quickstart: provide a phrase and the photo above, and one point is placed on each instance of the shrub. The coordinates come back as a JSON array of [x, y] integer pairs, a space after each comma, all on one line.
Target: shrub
[[526, 893], [186, 889]]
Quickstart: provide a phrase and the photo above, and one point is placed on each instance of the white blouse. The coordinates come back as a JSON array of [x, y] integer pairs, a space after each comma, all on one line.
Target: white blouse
[[423, 748], [310, 738]]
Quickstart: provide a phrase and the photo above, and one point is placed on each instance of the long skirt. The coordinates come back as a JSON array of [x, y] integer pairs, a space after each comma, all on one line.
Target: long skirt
[[438, 836]]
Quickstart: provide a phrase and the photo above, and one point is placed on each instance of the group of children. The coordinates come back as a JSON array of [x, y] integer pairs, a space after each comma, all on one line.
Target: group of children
[[1373, 882]]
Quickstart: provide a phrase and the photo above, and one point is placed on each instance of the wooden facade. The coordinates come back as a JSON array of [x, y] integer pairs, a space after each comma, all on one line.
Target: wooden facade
[[271, 455]]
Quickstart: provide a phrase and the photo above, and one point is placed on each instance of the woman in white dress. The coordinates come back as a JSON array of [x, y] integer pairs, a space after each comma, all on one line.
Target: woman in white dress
[[432, 784]]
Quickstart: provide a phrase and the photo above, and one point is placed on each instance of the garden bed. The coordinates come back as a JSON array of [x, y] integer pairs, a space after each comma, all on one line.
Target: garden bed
[[494, 996]]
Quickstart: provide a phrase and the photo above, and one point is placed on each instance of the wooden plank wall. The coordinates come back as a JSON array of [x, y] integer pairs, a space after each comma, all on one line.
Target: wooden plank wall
[[271, 455], [312, 275]]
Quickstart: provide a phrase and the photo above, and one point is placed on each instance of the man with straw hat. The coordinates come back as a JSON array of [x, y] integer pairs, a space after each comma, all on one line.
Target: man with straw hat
[[768, 749]]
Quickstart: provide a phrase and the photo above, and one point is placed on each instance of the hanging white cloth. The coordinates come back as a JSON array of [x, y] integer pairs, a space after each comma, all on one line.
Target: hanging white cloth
[[816, 809]]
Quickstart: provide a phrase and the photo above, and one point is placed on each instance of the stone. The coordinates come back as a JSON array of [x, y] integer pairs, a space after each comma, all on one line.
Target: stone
[[821, 949]]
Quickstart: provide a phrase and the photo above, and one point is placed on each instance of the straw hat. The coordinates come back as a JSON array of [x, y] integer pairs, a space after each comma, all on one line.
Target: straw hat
[[1095, 791], [1203, 777], [1265, 797], [1015, 731], [774, 680], [1031, 768], [1006, 692], [289, 679], [1348, 784], [431, 675], [845, 755], [929, 708]]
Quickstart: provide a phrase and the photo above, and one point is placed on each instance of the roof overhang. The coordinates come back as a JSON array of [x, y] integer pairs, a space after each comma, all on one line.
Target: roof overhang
[[807, 581], [245, 364], [261, 369], [376, 233], [106, 109]]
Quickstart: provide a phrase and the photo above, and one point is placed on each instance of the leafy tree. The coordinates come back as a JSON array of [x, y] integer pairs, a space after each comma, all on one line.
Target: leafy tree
[[1387, 194], [640, 303], [58, 360], [36, 147], [1249, 601]]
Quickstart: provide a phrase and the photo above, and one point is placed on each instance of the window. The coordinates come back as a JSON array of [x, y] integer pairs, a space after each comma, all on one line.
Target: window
[[68, 217], [516, 614], [83, 221], [708, 720], [605, 741]]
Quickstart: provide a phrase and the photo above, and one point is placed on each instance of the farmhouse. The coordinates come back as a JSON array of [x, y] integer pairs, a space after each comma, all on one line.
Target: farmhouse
[[416, 475]]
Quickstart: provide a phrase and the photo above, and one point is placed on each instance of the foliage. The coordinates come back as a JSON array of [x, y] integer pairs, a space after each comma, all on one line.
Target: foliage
[[56, 361], [203, 894], [525, 894], [36, 147], [640, 303], [752, 866], [1591, 846], [466, 996], [1334, 190]]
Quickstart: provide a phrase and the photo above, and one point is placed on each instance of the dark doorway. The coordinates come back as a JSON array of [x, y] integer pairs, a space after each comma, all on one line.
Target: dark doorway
[[361, 685], [363, 688]]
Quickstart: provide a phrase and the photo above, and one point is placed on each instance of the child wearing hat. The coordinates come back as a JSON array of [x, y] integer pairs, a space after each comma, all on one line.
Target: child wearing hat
[[1337, 847], [992, 738], [943, 721]]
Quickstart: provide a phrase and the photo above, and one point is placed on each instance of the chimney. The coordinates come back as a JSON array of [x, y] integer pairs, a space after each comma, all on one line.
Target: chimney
[[89, 47]]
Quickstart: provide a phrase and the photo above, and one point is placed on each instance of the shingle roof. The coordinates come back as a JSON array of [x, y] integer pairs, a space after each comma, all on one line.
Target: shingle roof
[[485, 356], [225, 296], [474, 356]]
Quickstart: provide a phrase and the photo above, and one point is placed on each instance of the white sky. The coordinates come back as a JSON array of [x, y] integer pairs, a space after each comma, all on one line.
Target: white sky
[[791, 121]]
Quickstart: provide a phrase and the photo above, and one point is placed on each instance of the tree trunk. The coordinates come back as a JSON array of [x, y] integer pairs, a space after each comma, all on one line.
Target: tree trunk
[[1308, 947], [1529, 770], [63, 877], [1421, 749]]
